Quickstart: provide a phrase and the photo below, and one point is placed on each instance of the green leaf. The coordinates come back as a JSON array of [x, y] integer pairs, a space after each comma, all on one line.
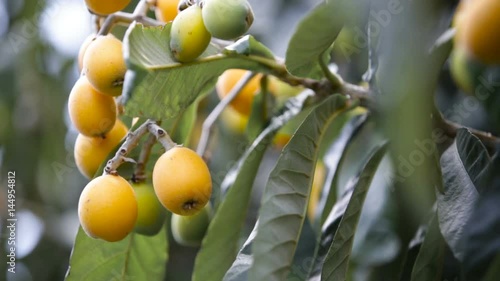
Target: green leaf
[[158, 87], [286, 195], [313, 36], [430, 258], [337, 260], [333, 158], [136, 257], [464, 164], [220, 245]]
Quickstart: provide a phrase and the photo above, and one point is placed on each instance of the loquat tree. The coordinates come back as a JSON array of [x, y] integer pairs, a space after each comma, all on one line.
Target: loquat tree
[[433, 179]]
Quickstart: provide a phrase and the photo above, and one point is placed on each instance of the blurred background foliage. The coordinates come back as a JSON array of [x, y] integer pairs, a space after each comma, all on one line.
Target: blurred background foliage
[[39, 41]]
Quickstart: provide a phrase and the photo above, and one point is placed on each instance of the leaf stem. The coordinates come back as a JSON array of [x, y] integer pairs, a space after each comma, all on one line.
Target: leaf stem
[[334, 79], [216, 112]]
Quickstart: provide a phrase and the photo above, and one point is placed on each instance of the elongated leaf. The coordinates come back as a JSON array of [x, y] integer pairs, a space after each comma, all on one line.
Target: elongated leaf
[[464, 163], [136, 257], [313, 36], [220, 244], [158, 87], [430, 258], [286, 195], [482, 242], [333, 158], [337, 260], [239, 268]]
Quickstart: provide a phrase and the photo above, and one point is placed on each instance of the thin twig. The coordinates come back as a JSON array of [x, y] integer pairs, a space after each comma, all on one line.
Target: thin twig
[[132, 141], [139, 174], [126, 19], [212, 117]]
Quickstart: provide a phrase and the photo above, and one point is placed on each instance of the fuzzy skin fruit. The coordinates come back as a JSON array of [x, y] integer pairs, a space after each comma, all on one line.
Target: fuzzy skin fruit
[[104, 65], [93, 114], [83, 49], [91, 152], [166, 10], [182, 181], [190, 230], [106, 7], [151, 214], [227, 19], [188, 36], [478, 30], [107, 208]]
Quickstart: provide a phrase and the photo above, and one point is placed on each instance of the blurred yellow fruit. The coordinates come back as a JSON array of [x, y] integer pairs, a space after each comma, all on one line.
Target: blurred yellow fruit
[[106, 7], [166, 10], [83, 49], [478, 30], [91, 152]]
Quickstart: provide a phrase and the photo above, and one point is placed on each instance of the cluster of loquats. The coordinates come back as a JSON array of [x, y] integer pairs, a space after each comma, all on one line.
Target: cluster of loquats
[[110, 207], [195, 25]]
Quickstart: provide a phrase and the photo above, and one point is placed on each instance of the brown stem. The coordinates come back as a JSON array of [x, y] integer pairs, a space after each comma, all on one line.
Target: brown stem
[[139, 174]]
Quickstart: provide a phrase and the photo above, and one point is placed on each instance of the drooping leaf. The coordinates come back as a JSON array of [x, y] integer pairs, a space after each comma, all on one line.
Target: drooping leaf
[[136, 257], [337, 259], [313, 36], [239, 269], [286, 195], [158, 87], [220, 244], [464, 164], [332, 159], [481, 239], [430, 258]]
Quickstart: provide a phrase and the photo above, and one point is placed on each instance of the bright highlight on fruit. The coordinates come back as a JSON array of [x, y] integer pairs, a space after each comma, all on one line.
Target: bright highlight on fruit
[[151, 214], [188, 36], [108, 208], [92, 113], [104, 65], [91, 152], [227, 19], [190, 230], [106, 7], [182, 181]]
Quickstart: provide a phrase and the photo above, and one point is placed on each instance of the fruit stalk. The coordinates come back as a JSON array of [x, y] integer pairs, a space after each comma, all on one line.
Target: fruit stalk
[[132, 141], [216, 112], [142, 160]]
